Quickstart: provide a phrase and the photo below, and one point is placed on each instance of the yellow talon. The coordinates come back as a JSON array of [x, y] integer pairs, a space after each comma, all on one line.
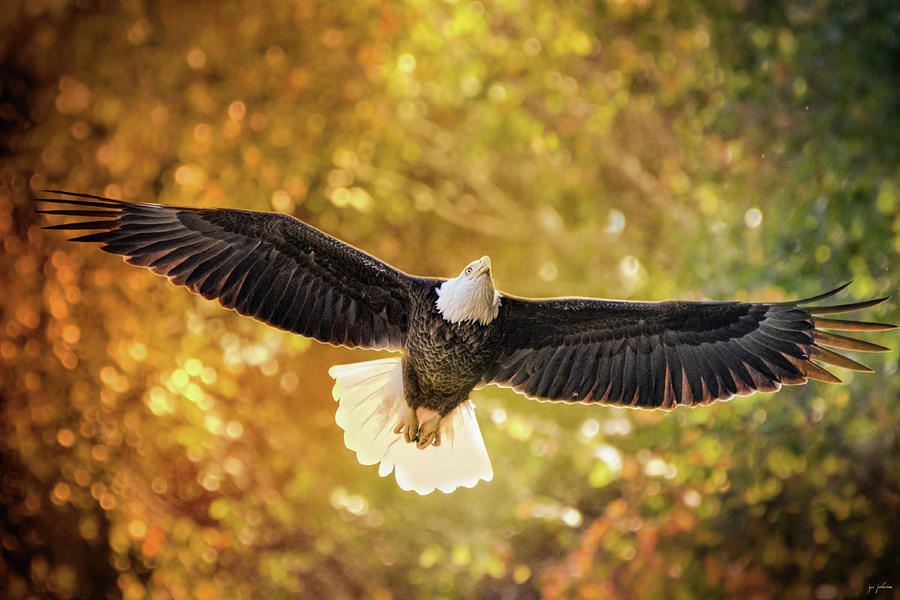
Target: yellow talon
[[430, 432], [409, 426]]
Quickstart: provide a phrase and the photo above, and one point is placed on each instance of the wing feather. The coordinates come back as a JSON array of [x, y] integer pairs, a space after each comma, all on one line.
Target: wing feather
[[234, 285], [724, 379], [272, 301], [645, 376], [676, 372], [736, 367], [576, 372], [214, 284], [664, 354], [693, 372], [616, 365], [629, 375], [265, 265], [593, 371], [658, 374]]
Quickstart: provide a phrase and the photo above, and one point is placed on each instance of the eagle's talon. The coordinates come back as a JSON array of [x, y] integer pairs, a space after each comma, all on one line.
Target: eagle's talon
[[429, 433], [409, 426]]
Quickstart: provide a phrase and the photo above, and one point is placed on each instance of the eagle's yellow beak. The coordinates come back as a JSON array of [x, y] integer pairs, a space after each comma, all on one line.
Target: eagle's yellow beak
[[483, 266]]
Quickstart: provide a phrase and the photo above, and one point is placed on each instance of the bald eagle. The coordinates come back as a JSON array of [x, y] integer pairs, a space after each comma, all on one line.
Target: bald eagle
[[410, 413]]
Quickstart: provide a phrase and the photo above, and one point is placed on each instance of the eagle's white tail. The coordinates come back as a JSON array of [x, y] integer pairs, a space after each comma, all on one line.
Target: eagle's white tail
[[371, 404]]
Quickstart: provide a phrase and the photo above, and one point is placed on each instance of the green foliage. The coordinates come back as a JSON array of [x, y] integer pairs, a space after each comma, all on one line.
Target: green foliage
[[156, 445]]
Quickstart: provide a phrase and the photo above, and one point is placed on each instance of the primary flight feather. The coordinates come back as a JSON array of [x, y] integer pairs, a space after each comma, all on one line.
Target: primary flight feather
[[411, 414]]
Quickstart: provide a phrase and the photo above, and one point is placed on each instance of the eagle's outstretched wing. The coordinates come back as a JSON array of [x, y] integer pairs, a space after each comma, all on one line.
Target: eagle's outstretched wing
[[662, 354], [266, 265]]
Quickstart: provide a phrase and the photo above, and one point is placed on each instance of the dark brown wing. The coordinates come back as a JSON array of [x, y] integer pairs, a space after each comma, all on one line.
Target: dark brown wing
[[266, 265], [663, 354]]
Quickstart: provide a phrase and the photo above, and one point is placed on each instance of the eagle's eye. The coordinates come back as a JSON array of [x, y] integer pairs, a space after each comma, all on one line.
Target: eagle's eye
[[468, 270]]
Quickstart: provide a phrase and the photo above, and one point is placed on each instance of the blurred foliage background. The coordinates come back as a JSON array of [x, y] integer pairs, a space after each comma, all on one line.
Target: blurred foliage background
[[157, 446]]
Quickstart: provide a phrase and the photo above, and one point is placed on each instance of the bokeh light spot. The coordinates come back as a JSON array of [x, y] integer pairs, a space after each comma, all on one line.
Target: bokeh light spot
[[548, 271], [137, 529], [196, 58], [531, 46], [281, 201], [753, 218], [61, 493], [65, 437], [615, 222], [236, 110], [406, 63]]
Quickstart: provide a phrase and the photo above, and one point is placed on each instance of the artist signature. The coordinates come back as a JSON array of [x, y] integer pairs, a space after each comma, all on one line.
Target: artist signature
[[879, 588]]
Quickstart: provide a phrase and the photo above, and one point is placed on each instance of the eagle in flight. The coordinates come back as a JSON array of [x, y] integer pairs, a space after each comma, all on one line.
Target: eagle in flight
[[410, 413]]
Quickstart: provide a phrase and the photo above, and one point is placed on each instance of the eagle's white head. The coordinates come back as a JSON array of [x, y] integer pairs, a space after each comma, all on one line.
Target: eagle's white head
[[470, 296]]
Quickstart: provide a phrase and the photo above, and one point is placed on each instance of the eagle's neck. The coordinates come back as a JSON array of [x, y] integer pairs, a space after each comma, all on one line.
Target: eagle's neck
[[461, 299]]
